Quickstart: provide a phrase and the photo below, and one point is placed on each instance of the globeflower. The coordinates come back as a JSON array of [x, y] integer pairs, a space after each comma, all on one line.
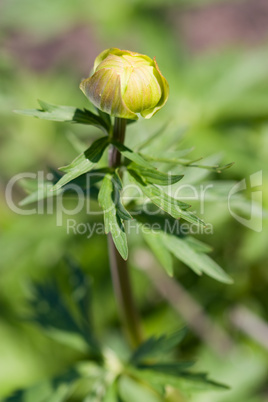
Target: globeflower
[[125, 83]]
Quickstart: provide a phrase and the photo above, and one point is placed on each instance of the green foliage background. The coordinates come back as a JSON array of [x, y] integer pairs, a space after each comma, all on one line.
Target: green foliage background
[[218, 103]]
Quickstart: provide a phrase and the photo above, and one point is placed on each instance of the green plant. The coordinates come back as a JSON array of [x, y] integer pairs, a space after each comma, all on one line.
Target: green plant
[[150, 371]]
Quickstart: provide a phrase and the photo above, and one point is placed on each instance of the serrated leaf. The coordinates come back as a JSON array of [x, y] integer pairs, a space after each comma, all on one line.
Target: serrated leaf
[[41, 190], [66, 114], [153, 176], [157, 194], [157, 346], [131, 155], [112, 221], [185, 381], [197, 245], [164, 221], [215, 168], [172, 206], [174, 368], [53, 313], [160, 251], [117, 185], [169, 155], [80, 290], [105, 117], [133, 391], [54, 390], [187, 162], [197, 261], [83, 163], [49, 308]]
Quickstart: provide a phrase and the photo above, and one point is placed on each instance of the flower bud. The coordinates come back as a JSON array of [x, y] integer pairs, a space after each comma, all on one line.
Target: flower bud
[[125, 83]]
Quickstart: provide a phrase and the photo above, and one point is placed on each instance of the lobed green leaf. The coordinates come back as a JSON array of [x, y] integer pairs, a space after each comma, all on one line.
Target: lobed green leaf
[[57, 389], [131, 390], [172, 206], [160, 251], [66, 114], [155, 347], [185, 381], [83, 163], [113, 214], [131, 155], [153, 176], [190, 254], [41, 190], [53, 313]]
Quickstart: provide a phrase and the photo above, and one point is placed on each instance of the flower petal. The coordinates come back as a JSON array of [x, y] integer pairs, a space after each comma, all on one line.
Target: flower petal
[[103, 89], [147, 114], [143, 89]]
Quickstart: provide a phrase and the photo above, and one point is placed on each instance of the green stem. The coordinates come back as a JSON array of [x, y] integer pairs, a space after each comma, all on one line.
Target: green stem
[[119, 268]]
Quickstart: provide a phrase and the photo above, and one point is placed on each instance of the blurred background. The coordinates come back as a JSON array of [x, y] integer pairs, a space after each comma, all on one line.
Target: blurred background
[[214, 55]]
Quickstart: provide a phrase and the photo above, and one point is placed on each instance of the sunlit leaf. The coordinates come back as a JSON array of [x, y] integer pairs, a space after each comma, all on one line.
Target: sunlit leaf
[[157, 346], [131, 155], [187, 163], [197, 261], [83, 163], [153, 176], [160, 251], [112, 220], [40, 190], [57, 389], [133, 391], [174, 368], [172, 206], [117, 186], [197, 245], [184, 381], [66, 114]]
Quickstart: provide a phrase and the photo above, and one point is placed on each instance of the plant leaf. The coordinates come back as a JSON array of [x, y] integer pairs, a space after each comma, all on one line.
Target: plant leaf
[[80, 291], [66, 114], [111, 394], [55, 390], [154, 176], [105, 117], [83, 163], [53, 313], [197, 261], [174, 368], [160, 251], [112, 220], [117, 186], [174, 160], [172, 206], [184, 381], [155, 347], [131, 155], [197, 245], [133, 391], [40, 190]]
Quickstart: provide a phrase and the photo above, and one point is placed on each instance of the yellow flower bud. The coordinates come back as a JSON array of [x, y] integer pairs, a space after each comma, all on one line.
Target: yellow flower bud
[[125, 83]]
